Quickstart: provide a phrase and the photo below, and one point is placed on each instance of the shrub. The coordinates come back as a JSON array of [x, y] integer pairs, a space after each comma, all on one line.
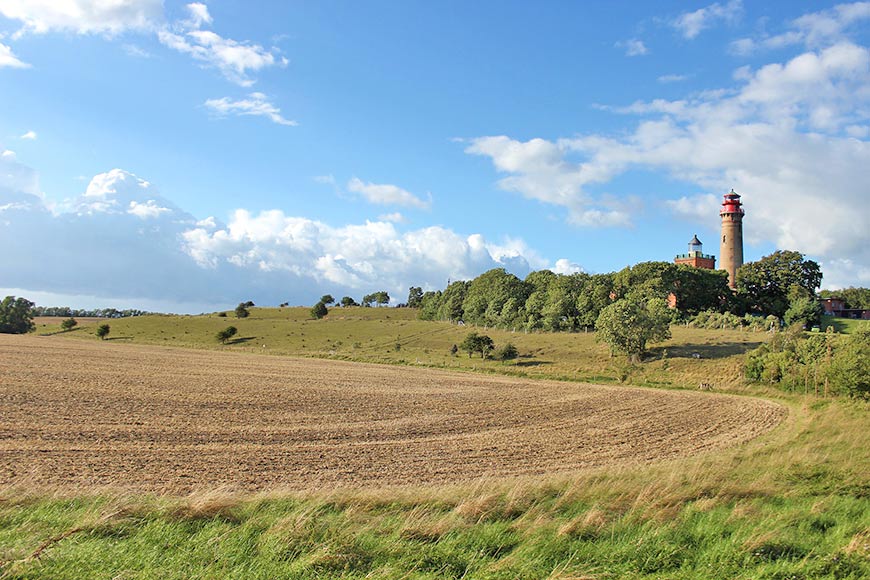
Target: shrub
[[319, 310], [242, 310], [103, 331], [68, 324], [507, 352], [226, 334]]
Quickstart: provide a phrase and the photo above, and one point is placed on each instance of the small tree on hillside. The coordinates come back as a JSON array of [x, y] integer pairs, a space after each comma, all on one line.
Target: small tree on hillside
[[804, 311], [103, 331], [68, 324], [319, 310], [327, 299], [628, 324], [348, 301], [477, 343], [242, 310], [226, 334]]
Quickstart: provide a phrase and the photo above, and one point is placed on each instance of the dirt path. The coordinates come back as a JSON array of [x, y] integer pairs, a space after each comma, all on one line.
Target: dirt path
[[77, 414]]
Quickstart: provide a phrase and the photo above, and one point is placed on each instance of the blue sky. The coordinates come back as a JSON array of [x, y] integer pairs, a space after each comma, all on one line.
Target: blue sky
[[185, 156]]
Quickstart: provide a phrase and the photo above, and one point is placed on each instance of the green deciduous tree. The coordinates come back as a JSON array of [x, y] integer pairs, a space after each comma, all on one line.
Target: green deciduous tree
[[348, 301], [495, 298], [479, 343], [415, 297], [103, 331], [319, 310], [804, 311], [68, 324], [327, 299], [226, 334], [768, 284], [242, 310], [849, 372], [16, 315], [629, 324]]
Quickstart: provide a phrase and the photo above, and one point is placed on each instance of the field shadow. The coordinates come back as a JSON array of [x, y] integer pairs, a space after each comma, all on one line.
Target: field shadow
[[119, 338], [241, 340], [712, 351]]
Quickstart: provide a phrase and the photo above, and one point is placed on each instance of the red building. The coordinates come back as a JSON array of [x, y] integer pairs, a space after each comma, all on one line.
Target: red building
[[837, 307], [696, 257]]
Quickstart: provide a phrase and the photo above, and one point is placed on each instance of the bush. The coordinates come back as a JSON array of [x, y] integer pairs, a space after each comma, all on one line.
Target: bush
[[319, 310], [226, 334], [507, 352], [242, 310], [103, 331], [222, 314], [68, 324]]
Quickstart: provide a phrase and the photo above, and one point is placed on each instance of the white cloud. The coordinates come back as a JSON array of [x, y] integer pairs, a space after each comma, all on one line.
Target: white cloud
[[566, 267], [814, 30], [633, 47], [672, 78], [235, 60], [198, 15], [690, 24], [386, 194], [541, 170], [29, 136], [395, 217], [108, 18], [149, 209], [257, 104], [8, 58], [121, 239], [135, 51]]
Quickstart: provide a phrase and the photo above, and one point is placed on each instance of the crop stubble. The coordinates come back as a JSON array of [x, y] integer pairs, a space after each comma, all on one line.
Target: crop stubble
[[79, 414]]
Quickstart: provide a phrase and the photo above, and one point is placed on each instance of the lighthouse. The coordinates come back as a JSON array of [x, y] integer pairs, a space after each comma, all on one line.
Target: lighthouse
[[731, 248]]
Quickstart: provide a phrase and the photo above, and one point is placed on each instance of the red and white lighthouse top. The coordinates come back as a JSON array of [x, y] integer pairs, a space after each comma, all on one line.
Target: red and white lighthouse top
[[731, 204]]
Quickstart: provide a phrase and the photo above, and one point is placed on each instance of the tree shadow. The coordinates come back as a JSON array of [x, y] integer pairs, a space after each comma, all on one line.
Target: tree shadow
[[119, 338], [712, 351], [241, 340], [532, 363]]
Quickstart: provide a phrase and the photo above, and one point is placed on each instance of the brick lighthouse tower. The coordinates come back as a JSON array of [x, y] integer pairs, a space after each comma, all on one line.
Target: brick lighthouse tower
[[731, 248]]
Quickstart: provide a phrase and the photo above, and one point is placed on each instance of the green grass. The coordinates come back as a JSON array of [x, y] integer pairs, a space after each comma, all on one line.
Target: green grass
[[794, 503], [395, 336], [844, 325]]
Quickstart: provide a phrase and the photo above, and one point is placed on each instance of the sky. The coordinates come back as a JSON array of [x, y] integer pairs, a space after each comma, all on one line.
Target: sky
[[183, 157]]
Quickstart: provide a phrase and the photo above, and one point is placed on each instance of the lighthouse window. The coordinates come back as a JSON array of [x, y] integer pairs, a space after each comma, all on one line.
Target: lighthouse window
[[723, 239]]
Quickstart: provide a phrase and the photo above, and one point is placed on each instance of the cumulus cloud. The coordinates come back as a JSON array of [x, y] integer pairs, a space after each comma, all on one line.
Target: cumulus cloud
[[29, 136], [386, 194], [199, 15], [566, 267], [9, 60], [633, 47], [123, 241], [814, 30], [83, 16], [691, 24], [257, 104], [542, 170]]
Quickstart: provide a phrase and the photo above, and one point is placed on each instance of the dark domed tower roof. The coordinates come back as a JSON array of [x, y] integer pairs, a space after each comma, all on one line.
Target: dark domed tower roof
[[695, 241]]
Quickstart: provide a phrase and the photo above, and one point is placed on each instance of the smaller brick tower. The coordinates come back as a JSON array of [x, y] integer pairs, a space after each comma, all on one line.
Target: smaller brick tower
[[695, 257], [731, 248]]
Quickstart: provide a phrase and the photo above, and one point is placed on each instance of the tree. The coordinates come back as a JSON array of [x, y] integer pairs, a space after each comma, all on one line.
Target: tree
[[477, 343], [766, 284], [381, 298], [249, 304], [327, 299], [850, 367], [68, 324], [804, 311], [415, 297], [348, 301], [628, 324], [103, 331], [16, 315], [495, 298], [319, 310], [242, 310], [226, 334]]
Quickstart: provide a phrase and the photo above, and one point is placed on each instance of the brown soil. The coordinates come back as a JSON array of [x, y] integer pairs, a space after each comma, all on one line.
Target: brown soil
[[76, 414]]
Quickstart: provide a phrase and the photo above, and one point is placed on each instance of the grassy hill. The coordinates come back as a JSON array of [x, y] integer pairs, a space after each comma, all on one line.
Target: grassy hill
[[396, 336]]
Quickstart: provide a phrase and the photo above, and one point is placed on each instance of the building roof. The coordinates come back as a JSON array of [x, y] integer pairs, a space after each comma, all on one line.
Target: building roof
[[695, 241]]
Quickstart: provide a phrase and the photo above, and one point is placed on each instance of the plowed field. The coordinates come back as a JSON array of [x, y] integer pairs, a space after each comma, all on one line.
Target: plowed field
[[79, 413]]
